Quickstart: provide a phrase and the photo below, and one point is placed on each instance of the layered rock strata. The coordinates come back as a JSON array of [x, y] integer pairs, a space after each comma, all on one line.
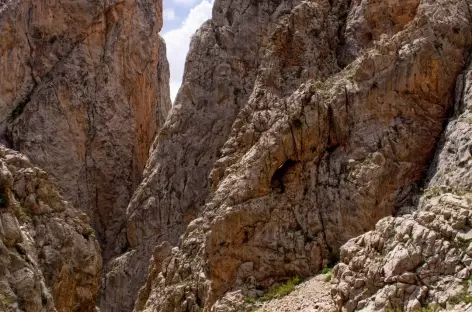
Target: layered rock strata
[[49, 257], [283, 147], [84, 91]]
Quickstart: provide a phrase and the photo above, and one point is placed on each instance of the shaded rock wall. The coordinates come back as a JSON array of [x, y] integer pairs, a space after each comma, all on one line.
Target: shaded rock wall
[[84, 91], [49, 256]]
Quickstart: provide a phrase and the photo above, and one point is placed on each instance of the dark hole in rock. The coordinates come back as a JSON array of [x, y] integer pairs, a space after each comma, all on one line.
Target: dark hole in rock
[[297, 123], [308, 239], [277, 181], [246, 237], [368, 37], [3, 198], [333, 259]]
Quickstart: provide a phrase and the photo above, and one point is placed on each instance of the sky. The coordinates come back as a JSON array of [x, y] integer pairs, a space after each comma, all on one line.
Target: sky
[[181, 19]]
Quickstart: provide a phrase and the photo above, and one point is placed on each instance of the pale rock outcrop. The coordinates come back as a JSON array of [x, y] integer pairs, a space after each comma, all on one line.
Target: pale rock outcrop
[[84, 91], [49, 257], [423, 258], [287, 145]]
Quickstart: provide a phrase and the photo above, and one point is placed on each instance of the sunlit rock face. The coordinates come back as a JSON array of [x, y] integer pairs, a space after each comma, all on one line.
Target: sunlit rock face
[[282, 147], [423, 258]]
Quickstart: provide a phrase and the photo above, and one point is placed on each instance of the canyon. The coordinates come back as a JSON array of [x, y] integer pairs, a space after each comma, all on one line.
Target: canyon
[[338, 135]]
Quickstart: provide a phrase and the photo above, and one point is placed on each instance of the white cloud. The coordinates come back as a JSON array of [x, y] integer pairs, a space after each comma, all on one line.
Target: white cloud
[[178, 41], [169, 15], [187, 3]]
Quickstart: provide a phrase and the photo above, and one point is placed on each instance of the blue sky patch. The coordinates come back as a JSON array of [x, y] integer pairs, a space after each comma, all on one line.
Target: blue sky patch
[[181, 19]]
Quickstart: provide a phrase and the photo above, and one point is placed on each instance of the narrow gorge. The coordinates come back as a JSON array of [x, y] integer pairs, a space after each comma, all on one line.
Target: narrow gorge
[[306, 135]]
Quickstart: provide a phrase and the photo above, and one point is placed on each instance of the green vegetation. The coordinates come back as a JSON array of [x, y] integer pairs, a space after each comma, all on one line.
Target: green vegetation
[[6, 301], [436, 191], [463, 296], [281, 290], [25, 213], [276, 292], [433, 308], [88, 232], [328, 271], [461, 192], [461, 242], [433, 191], [427, 308], [250, 300]]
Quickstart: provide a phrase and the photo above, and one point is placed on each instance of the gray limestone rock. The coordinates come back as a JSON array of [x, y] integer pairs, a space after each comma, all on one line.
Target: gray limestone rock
[[423, 258], [49, 256], [281, 148]]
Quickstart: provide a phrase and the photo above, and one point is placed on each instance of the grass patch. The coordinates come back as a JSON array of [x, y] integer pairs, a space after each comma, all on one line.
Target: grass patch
[[461, 242], [328, 271], [281, 290], [88, 232], [250, 300], [427, 308], [461, 191], [433, 191], [464, 296], [6, 301]]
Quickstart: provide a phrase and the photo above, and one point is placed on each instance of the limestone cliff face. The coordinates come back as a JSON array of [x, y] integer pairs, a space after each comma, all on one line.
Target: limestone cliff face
[[283, 147], [423, 258], [84, 90], [49, 257]]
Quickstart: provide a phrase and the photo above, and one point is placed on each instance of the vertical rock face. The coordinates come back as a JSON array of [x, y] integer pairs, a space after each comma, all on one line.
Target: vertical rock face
[[49, 257], [84, 91], [287, 145], [424, 257]]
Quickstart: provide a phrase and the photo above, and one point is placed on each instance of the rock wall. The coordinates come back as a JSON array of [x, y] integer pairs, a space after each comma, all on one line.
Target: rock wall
[[423, 258], [49, 257], [284, 147], [278, 151], [84, 91]]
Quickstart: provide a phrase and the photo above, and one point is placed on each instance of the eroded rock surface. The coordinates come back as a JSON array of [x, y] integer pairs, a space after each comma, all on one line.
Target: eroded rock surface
[[49, 257], [423, 258], [84, 90], [308, 134]]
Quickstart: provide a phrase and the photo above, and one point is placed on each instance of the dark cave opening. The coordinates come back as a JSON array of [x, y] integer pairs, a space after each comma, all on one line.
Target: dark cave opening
[[277, 181]]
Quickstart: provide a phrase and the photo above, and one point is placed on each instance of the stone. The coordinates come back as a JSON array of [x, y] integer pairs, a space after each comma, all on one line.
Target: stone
[[49, 260], [279, 120], [439, 232], [85, 88]]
